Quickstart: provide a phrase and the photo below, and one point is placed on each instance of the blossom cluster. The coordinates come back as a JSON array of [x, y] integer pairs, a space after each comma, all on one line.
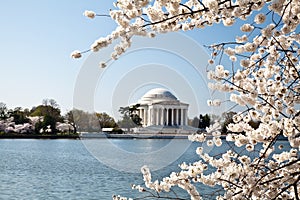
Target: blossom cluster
[[9, 126], [148, 18], [263, 78], [64, 127]]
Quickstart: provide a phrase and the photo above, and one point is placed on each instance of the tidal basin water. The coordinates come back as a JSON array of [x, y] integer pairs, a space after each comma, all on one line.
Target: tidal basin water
[[65, 169]]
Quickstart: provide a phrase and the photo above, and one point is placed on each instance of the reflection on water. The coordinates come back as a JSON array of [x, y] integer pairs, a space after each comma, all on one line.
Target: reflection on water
[[140, 145], [131, 155]]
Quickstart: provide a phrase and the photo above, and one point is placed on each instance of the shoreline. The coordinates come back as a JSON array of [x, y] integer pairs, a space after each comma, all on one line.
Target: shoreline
[[83, 136], [95, 136], [132, 136], [34, 136]]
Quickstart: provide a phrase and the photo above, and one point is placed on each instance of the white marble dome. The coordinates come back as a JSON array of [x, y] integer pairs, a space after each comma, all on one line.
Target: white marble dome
[[159, 107], [157, 95]]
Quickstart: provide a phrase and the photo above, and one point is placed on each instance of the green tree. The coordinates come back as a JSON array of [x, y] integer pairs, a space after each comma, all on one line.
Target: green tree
[[126, 122], [3, 111], [106, 121], [204, 121], [50, 113], [20, 116], [130, 119]]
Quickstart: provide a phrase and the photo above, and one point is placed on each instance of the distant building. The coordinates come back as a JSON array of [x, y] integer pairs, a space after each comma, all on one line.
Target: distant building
[[161, 111]]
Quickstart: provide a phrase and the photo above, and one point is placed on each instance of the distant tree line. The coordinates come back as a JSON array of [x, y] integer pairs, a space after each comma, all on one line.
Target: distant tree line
[[225, 119], [201, 122], [129, 117], [47, 119]]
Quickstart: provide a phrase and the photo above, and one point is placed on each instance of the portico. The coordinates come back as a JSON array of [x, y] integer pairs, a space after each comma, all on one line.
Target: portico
[[159, 107]]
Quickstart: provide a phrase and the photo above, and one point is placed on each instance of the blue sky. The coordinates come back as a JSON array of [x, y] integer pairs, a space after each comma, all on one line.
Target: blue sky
[[37, 38]]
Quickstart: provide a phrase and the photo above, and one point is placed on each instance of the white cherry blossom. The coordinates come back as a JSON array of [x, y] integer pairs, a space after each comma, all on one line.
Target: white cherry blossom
[[263, 79]]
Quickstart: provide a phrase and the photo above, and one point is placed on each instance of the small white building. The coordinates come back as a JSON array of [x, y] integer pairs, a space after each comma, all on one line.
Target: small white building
[[160, 110]]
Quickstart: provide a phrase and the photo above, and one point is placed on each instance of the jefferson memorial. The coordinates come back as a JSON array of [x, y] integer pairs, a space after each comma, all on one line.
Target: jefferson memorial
[[162, 112]]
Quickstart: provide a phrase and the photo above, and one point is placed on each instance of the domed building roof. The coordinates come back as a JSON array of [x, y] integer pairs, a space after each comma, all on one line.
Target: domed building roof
[[157, 95]]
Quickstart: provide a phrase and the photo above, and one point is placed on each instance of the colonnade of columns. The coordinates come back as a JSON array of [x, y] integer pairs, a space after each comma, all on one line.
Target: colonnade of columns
[[166, 116]]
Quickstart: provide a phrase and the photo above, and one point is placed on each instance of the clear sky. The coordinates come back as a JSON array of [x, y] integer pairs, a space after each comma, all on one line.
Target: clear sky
[[37, 37]]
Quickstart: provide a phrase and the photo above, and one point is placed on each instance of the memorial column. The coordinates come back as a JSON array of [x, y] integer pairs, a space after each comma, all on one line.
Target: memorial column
[[154, 116], [149, 117], [162, 116], [177, 117], [185, 118], [181, 114], [172, 117], [157, 116], [144, 118], [167, 115]]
